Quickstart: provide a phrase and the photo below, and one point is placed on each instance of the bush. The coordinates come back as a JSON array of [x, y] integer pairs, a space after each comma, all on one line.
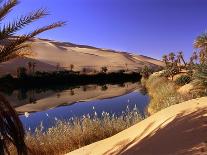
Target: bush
[[6, 77], [163, 93], [182, 80], [200, 81], [21, 72]]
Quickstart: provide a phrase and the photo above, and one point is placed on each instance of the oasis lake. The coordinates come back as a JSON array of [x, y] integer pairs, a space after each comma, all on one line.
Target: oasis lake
[[49, 106]]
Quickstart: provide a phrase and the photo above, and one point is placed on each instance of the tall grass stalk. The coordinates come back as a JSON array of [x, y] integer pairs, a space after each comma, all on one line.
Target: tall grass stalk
[[163, 93], [69, 135]]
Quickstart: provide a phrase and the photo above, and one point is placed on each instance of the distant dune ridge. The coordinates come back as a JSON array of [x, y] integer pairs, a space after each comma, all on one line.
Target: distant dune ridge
[[52, 55]]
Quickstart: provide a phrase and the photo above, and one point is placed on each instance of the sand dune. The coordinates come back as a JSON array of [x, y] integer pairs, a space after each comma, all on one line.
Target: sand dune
[[177, 130], [49, 54]]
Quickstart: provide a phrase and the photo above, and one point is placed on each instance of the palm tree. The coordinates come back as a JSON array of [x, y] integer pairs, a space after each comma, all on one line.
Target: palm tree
[[180, 57], [146, 71], [201, 43], [104, 69], [202, 57], [11, 129], [195, 57], [126, 66], [71, 67], [10, 47], [165, 59], [172, 57], [30, 67], [33, 67]]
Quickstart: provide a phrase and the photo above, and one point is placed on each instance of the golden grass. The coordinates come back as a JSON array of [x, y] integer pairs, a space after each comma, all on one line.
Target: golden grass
[[69, 135], [163, 93]]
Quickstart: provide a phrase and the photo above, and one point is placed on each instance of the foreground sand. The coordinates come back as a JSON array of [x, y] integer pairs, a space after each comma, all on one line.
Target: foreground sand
[[179, 129]]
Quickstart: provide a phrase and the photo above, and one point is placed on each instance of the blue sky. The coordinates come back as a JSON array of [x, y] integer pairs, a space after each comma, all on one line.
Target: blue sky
[[147, 27]]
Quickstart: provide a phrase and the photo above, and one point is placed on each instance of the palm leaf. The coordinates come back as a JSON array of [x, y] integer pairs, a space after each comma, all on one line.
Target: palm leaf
[[18, 43], [13, 27], [7, 7]]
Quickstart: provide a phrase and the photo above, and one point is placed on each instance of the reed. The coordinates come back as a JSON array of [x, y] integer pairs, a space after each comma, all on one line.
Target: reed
[[72, 134]]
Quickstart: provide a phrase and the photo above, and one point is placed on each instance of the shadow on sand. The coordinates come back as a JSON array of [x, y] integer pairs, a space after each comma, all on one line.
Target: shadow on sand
[[184, 135]]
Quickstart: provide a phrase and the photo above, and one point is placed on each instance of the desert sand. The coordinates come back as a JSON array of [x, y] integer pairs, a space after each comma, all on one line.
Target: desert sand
[[52, 55], [179, 129]]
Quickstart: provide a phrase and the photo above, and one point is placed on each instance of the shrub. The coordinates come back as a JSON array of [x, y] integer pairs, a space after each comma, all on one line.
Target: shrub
[[163, 93], [146, 71], [7, 77], [171, 71], [21, 72], [200, 81], [182, 80], [104, 69]]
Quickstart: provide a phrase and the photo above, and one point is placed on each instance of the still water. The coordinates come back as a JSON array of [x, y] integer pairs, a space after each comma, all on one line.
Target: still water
[[46, 107]]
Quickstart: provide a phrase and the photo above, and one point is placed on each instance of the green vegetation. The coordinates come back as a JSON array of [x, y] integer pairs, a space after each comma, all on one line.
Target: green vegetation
[[11, 47], [104, 69], [69, 135], [163, 93], [44, 80], [163, 88], [200, 75], [182, 80], [146, 71]]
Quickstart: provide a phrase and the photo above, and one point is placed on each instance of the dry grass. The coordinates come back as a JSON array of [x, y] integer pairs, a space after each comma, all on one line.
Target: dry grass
[[69, 135], [163, 93]]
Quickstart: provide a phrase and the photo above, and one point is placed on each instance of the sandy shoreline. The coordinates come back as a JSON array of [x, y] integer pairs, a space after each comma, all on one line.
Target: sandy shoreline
[[179, 129]]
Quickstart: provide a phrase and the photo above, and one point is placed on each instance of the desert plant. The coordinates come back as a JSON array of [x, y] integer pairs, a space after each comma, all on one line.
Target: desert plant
[[71, 67], [146, 71], [10, 47], [33, 67], [172, 56], [181, 58], [126, 65], [163, 93], [84, 70], [21, 72], [201, 44], [165, 59], [104, 69], [182, 80], [200, 80], [171, 71], [30, 67]]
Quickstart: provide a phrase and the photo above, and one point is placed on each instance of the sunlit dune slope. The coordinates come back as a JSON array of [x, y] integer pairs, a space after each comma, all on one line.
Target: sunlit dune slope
[[52, 55], [180, 129]]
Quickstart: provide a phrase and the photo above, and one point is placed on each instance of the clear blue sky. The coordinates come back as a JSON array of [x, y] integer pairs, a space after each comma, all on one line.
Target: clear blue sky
[[148, 27]]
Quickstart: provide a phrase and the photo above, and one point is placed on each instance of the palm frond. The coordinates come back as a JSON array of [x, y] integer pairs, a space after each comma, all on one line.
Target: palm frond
[[46, 28], [7, 7], [13, 27], [18, 43]]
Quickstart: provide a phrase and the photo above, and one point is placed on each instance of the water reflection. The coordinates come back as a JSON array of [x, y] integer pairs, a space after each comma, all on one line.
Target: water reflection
[[39, 100], [115, 105], [47, 106]]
